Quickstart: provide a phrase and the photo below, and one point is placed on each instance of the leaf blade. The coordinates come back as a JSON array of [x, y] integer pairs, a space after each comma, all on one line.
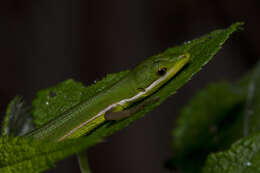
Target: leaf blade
[[201, 51]]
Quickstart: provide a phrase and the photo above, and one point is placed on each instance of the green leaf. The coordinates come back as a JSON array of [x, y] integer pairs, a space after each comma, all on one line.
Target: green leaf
[[201, 51], [211, 121], [227, 112], [17, 120], [242, 157], [53, 101], [24, 155], [252, 112]]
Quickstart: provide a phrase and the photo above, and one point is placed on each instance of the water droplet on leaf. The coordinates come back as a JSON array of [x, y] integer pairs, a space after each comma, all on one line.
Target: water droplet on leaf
[[248, 163]]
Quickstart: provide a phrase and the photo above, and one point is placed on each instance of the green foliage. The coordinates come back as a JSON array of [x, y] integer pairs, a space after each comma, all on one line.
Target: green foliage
[[70, 93], [252, 113], [51, 102], [242, 157], [214, 119], [19, 154], [201, 51], [37, 157], [56, 100], [211, 121]]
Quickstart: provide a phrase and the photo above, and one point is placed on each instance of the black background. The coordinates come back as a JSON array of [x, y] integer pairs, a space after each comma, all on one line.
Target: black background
[[45, 42]]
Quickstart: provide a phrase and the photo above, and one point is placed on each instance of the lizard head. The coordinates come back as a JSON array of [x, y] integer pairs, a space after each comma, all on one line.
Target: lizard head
[[157, 70]]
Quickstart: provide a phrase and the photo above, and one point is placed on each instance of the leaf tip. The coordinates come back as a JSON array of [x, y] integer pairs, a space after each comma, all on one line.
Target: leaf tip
[[238, 26]]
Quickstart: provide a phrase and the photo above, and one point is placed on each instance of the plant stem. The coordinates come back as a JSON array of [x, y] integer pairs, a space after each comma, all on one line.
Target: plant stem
[[83, 162]]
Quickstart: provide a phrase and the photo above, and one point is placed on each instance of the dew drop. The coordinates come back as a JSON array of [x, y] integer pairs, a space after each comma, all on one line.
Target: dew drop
[[95, 81], [248, 163], [47, 103]]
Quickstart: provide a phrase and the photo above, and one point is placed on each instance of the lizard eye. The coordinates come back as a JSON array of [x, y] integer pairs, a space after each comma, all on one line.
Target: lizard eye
[[162, 71]]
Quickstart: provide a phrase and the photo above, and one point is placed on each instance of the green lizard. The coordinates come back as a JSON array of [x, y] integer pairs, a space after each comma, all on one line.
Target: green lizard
[[115, 102]]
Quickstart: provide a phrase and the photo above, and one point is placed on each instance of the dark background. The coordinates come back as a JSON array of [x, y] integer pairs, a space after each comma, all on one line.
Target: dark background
[[45, 42]]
